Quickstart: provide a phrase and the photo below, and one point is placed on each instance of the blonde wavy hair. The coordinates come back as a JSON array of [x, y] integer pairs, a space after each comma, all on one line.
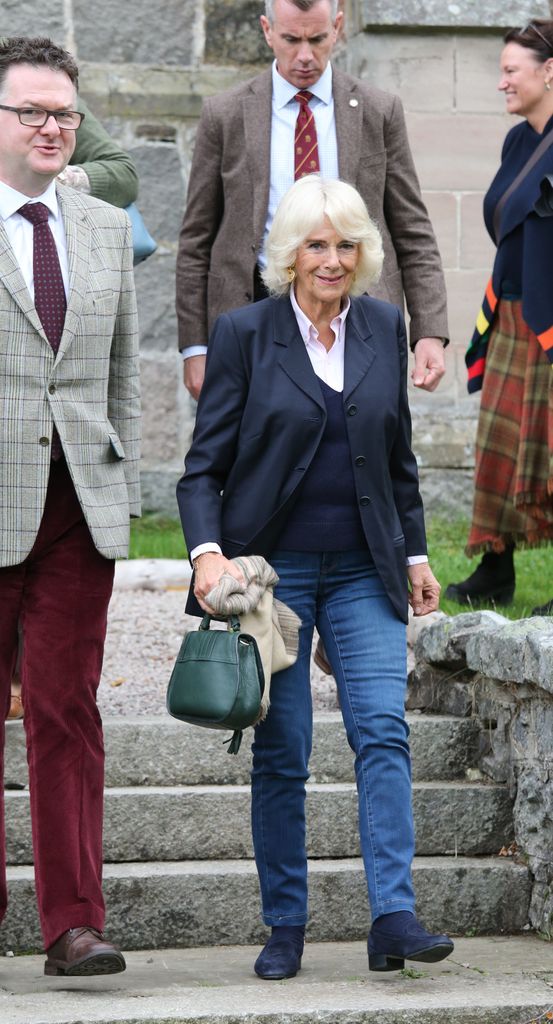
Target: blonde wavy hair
[[302, 211]]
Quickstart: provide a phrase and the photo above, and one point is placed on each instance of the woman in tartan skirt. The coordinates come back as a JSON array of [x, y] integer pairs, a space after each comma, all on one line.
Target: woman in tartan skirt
[[511, 352]]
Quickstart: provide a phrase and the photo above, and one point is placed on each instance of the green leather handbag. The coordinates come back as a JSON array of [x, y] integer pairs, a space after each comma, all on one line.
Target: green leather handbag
[[217, 681]]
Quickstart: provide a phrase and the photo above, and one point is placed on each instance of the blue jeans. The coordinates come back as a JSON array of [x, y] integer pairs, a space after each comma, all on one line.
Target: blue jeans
[[342, 595]]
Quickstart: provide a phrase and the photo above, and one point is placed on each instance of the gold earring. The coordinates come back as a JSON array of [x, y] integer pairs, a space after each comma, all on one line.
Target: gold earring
[[291, 275]]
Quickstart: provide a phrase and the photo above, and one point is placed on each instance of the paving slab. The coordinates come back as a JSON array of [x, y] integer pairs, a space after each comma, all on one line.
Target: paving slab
[[495, 980]]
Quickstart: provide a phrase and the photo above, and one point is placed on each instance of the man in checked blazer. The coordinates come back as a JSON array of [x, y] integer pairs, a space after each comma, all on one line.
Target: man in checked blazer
[[243, 163], [69, 449]]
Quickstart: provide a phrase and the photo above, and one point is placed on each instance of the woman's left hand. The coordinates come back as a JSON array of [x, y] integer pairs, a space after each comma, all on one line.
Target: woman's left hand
[[424, 596]]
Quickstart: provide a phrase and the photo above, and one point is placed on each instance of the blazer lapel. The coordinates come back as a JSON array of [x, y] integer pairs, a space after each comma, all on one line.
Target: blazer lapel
[[78, 236], [294, 359], [14, 282], [257, 129], [359, 354], [348, 114]]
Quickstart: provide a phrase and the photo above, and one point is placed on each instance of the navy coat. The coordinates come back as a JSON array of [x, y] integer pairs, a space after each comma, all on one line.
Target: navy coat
[[260, 419]]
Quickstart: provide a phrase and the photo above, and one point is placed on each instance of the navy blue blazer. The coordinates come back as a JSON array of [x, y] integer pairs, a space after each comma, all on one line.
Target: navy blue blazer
[[260, 419]]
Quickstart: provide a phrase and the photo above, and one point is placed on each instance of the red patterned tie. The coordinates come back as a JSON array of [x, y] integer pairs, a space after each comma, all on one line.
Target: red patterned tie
[[306, 152], [50, 301]]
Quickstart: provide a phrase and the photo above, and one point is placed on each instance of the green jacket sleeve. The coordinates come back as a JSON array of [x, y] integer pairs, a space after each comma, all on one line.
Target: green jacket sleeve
[[110, 170]]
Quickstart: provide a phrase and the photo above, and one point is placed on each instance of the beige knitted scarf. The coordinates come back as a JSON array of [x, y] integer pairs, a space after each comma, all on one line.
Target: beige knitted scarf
[[274, 625]]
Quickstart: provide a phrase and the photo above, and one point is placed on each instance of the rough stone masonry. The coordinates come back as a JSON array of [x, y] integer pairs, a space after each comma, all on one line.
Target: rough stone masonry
[[146, 68]]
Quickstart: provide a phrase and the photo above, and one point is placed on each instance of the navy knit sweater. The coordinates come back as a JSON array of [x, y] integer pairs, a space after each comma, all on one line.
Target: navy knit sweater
[[325, 516]]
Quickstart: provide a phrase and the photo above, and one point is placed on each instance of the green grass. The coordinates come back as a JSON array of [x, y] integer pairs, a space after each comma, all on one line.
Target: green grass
[[155, 536], [534, 567]]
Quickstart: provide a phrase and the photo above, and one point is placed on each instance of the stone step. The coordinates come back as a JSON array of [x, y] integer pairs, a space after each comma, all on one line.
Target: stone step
[[162, 823], [496, 980], [159, 751], [202, 903]]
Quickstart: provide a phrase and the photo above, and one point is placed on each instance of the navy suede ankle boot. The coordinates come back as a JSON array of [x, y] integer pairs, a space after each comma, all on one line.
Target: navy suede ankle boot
[[394, 938], [281, 956]]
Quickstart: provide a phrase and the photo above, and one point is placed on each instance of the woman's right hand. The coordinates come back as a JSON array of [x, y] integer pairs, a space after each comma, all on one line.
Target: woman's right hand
[[208, 569]]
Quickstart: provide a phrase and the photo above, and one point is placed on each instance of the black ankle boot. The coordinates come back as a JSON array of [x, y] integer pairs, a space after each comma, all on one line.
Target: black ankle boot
[[493, 581]]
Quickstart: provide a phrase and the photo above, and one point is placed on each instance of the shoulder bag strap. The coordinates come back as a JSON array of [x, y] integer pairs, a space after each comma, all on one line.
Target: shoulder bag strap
[[544, 145]]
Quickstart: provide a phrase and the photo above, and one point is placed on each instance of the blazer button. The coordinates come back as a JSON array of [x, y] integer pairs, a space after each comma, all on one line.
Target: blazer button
[[52, 389], [44, 441], [365, 500], [360, 460], [352, 410]]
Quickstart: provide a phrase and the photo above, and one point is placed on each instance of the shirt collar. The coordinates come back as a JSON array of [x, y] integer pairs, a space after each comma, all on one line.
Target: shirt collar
[[284, 91], [11, 200], [308, 330]]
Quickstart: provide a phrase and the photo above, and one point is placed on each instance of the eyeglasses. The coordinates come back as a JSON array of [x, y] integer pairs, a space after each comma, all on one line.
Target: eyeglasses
[[36, 117], [535, 29]]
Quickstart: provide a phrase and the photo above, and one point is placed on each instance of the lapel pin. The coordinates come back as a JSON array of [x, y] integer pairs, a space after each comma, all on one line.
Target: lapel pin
[[354, 103]]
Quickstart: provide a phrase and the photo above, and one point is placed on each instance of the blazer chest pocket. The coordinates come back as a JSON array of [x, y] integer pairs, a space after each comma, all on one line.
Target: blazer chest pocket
[[116, 446]]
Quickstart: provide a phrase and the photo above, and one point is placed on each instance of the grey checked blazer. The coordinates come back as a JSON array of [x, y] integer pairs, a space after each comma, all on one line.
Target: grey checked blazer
[[228, 196], [89, 389]]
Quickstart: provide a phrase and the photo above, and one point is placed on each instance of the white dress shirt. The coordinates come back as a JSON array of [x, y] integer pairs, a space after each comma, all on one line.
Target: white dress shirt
[[20, 231], [329, 367]]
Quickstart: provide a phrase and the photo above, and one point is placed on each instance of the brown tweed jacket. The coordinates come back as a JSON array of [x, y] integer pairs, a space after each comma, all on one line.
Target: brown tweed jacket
[[89, 389], [228, 197]]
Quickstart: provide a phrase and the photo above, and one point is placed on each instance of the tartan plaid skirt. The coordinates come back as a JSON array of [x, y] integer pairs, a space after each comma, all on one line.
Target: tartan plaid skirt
[[513, 498]]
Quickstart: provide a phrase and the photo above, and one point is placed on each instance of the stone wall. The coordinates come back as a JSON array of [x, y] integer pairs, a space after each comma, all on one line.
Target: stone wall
[[145, 69], [500, 673]]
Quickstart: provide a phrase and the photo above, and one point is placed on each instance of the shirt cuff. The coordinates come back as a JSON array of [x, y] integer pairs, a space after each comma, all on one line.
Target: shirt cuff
[[193, 350], [201, 549], [416, 559]]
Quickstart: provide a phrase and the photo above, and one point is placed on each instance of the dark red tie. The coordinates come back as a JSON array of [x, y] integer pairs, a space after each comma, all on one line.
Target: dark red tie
[[306, 152], [50, 301]]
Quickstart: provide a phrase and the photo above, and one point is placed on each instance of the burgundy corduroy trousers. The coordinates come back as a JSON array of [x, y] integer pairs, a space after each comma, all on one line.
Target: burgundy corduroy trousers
[[60, 594]]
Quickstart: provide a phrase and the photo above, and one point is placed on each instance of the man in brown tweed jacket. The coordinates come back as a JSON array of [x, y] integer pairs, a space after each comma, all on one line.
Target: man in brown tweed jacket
[[243, 163], [69, 450]]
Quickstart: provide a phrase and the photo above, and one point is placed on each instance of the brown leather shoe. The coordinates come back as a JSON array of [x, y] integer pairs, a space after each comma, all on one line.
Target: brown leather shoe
[[16, 706], [321, 659], [82, 951]]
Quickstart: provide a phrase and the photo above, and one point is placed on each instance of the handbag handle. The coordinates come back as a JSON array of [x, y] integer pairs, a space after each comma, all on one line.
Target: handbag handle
[[233, 622]]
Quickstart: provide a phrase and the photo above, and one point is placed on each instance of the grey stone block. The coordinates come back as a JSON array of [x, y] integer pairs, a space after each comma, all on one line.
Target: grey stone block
[[155, 293], [158, 490], [233, 33], [162, 752], [442, 690], [172, 824], [161, 196], [164, 35], [160, 384], [445, 642], [462, 14], [447, 492], [205, 903], [26, 18], [520, 652]]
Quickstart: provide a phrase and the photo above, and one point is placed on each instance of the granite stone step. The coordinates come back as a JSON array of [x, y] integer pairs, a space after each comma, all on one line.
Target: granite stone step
[[159, 751], [202, 903], [177, 823]]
